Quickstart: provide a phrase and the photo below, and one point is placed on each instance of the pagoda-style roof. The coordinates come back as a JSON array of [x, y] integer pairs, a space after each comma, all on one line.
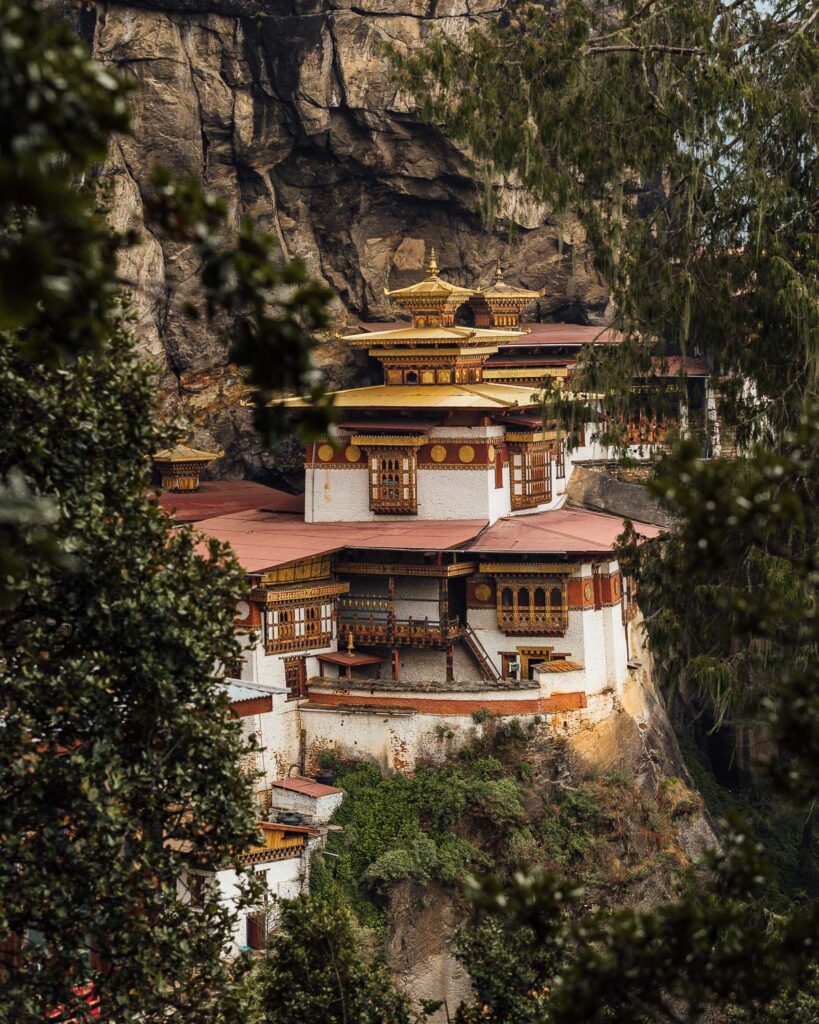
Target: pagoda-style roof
[[432, 287], [431, 336], [501, 290], [184, 454], [427, 396]]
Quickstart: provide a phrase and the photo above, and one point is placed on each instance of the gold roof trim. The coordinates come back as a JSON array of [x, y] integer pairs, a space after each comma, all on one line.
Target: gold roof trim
[[432, 285], [533, 372], [426, 396], [387, 441], [184, 454], [527, 569]]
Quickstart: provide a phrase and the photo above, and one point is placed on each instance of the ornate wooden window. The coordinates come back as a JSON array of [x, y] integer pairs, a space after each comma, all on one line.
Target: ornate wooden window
[[560, 461], [393, 481], [531, 475], [295, 677], [533, 607], [256, 936], [299, 626]]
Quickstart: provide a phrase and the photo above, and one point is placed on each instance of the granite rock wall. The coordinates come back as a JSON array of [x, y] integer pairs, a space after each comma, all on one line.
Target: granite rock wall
[[285, 109]]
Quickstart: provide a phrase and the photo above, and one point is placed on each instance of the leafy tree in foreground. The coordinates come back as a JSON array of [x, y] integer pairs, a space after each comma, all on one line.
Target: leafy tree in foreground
[[118, 753], [314, 972], [684, 137]]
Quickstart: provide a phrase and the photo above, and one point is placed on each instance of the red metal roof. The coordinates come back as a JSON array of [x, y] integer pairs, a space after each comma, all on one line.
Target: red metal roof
[[569, 531], [566, 334], [344, 658], [263, 540], [274, 826], [223, 497], [306, 786], [669, 366]]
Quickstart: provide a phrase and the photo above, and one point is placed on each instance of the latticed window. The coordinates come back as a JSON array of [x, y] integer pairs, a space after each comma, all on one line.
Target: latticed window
[[531, 469], [392, 481], [298, 627], [535, 608]]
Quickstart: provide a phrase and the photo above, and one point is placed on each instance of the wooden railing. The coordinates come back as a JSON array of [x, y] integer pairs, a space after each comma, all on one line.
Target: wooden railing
[[533, 621], [375, 630]]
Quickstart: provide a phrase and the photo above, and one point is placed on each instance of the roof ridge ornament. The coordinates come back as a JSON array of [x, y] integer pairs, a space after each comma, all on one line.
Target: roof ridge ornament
[[432, 263], [498, 274]]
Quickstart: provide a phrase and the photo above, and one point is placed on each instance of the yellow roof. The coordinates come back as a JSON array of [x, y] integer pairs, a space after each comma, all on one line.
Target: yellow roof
[[433, 286], [430, 335], [428, 396], [184, 454], [501, 290]]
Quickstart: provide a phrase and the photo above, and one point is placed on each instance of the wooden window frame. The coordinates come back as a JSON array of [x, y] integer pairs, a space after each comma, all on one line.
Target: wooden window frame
[[530, 470], [560, 461], [393, 474], [299, 627], [296, 687], [524, 615]]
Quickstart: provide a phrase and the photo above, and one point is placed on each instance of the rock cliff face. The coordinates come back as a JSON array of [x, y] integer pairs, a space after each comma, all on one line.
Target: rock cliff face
[[285, 109]]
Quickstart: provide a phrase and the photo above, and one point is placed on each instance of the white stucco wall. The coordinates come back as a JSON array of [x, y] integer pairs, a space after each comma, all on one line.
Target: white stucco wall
[[398, 740], [284, 879], [316, 810]]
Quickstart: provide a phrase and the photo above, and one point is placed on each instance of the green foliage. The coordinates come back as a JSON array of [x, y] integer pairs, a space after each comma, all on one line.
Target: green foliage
[[693, 179], [118, 767], [314, 972]]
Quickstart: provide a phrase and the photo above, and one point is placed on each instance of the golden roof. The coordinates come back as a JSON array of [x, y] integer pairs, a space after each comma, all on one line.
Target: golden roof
[[501, 290], [428, 396], [431, 287], [430, 336], [184, 454]]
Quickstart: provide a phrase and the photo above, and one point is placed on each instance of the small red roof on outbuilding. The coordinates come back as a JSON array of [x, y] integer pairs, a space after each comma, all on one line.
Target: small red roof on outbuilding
[[561, 531], [223, 497], [306, 786]]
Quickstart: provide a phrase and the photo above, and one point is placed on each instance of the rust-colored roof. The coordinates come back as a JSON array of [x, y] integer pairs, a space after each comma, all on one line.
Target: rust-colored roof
[[670, 366], [309, 787], [566, 334], [223, 497], [263, 540], [559, 531], [348, 660]]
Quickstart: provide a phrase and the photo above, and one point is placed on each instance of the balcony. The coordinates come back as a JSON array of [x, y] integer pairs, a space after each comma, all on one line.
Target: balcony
[[373, 622]]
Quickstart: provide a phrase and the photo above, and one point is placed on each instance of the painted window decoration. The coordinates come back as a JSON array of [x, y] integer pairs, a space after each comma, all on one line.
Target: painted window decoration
[[298, 627], [534, 608], [393, 482], [531, 470]]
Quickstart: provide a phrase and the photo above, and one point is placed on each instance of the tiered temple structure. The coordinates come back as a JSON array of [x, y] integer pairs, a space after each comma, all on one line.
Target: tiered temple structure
[[435, 571]]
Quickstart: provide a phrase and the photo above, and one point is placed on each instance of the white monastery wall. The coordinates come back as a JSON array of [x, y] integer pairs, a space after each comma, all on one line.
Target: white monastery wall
[[398, 740], [284, 879]]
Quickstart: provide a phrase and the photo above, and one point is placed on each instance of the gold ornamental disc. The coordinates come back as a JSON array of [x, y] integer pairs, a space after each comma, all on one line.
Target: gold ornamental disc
[[483, 592], [325, 452], [352, 453], [588, 591], [466, 453], [490, 453], [438, 453]]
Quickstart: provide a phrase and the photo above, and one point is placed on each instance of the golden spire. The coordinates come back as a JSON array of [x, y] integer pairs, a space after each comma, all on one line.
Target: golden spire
[[498, 274], [432, 265]]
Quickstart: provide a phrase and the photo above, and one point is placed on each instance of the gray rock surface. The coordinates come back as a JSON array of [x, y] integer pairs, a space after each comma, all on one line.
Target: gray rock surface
[[286, 110]]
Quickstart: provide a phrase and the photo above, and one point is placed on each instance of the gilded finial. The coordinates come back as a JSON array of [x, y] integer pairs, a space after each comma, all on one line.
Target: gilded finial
[[432, 265], [350, 643], [498, 274]]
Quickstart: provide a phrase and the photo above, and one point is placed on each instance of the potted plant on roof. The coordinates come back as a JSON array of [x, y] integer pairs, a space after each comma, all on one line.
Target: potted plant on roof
[[327, 762]]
